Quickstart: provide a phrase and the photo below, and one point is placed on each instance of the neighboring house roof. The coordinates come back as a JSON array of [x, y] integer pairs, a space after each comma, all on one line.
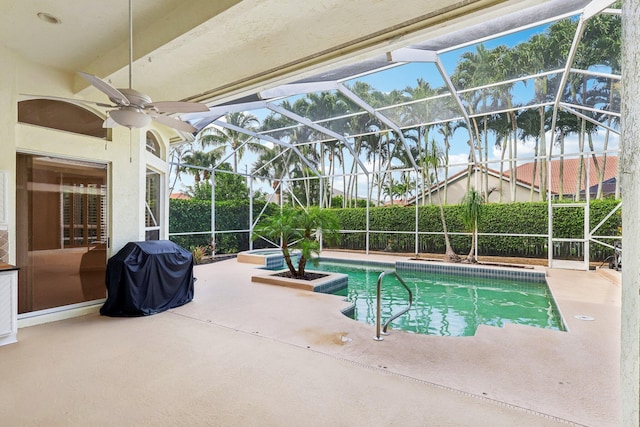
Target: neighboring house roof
[[463, 175], [180, 196], [397, 202], [608, 187], [570, 173]]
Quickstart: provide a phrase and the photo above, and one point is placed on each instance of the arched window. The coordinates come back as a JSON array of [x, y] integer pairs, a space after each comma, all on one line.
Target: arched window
[[153, 146], [62, 116]]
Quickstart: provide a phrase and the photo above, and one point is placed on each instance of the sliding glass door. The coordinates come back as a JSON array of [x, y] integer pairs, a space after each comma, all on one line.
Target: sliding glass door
[[61, 231]]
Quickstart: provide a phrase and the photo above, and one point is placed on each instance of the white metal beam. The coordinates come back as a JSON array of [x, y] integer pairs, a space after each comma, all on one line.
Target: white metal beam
[[412, 55], [297, 89], [269, 139], [355, 98], [319, 128]]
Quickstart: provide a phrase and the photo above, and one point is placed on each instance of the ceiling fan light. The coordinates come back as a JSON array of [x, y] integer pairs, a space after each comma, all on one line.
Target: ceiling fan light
[[130, 117]]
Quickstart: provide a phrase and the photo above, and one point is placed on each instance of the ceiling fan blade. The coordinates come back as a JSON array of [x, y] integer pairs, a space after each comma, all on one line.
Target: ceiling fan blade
[[114, 94], [174, 123], [179, 107]]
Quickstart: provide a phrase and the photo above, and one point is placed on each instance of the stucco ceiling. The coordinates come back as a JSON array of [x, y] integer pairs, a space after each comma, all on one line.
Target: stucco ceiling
[[217, 50]]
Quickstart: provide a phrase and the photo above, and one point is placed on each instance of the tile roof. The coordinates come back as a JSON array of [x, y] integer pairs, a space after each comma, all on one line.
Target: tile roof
[[180, 196], [570, 173]]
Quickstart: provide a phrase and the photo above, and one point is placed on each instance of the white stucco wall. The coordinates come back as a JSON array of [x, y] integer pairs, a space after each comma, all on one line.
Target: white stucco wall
[[126, 163], [458, 188], [8, 114], [159, 164], [630, 175]]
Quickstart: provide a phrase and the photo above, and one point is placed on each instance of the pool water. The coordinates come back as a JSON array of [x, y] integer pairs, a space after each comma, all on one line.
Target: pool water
[[445, 304]]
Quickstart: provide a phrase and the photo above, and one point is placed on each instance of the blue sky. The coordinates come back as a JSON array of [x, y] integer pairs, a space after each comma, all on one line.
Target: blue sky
[[407, 75]]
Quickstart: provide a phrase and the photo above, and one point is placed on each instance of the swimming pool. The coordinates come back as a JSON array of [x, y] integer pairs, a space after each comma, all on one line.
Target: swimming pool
[[446, 304]]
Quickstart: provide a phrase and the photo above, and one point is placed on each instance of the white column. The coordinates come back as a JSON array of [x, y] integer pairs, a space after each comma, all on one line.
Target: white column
[[630, 182]]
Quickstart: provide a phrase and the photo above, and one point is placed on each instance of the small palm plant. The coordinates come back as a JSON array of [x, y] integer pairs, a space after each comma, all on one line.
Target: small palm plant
[[471, 210], [299, 229]]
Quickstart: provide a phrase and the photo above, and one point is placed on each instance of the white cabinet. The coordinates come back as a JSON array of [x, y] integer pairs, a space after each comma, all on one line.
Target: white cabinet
[[8, 306]]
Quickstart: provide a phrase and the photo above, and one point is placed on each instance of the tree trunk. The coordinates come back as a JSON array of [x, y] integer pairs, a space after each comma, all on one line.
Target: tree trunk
[[576, 196], [484, 170], [446, 168], [471, 258], [599, 170], [449, 255], [533, 171], [502, 153], [514, 159], [287, 258], [543, 157]]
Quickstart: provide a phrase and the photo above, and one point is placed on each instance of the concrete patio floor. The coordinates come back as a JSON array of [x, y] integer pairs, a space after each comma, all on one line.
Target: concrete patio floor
[[245, 354]]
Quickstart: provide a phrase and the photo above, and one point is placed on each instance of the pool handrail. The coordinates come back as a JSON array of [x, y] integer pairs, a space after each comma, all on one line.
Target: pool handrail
[[379, 304]]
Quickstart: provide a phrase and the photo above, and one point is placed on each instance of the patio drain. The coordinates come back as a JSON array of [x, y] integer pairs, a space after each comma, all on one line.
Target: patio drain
[[584, 317]]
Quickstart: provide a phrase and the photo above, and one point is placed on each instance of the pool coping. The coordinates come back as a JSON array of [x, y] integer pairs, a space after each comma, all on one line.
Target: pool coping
[[269, 261], [330, 283], [493, 272]]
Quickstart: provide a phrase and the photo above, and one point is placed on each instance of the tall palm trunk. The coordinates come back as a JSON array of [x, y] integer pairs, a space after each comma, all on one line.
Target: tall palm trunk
[[484, 170], [533, 170], [514, 159], [505, 143], [447, 146], [449, 255], [543, 157], [596, 164], [605, 146], [581, 160], [476, 146], [344, 179]]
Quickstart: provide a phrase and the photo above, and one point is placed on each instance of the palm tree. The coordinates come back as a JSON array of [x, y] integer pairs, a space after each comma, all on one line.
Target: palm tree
[[477, 69], [501, 127], [471, 210], [433, 159], [321, 106], [335, 156], [566, 124], [290, 131], [602, 30], [272, 166], [299, 229], [534, 57], [176, 155], [202, 159], [447, 130], [237, 141]]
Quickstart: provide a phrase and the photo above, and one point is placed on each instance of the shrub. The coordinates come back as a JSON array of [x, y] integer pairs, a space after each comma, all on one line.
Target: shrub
[[512, 218]]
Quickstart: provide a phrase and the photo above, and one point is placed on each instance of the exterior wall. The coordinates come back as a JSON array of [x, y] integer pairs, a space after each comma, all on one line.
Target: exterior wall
[[8, 114], [125, 153], [158, 164], [457, 189], [630, 175]]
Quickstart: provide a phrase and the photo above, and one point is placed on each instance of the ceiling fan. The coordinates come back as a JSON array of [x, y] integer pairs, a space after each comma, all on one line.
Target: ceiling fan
[[134, 109]]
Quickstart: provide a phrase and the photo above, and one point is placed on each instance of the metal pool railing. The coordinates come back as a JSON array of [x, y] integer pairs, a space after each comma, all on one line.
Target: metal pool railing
[[379, 303]]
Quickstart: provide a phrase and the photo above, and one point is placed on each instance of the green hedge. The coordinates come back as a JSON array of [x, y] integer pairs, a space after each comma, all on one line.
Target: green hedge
[[513, 218], [189, 216]]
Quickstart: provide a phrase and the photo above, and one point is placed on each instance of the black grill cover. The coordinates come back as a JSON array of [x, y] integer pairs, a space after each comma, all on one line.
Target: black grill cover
[[145, 278]]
